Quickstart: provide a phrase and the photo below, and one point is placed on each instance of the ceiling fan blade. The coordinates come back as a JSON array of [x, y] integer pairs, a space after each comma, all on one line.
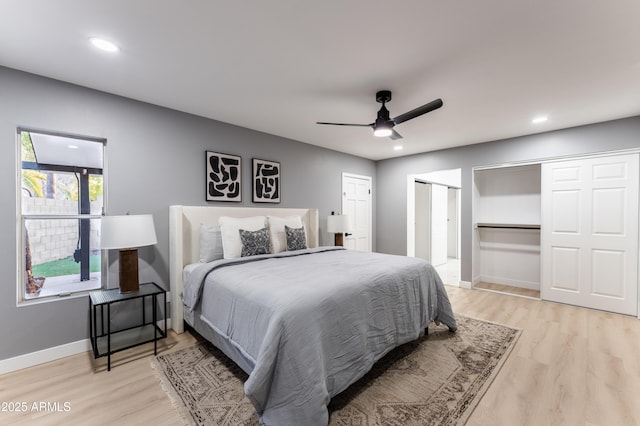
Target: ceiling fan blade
[[418, 111], [395, 135], [344, 124]]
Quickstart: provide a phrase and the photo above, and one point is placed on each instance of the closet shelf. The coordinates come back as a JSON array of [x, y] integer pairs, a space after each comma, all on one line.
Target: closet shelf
[[508, 225]]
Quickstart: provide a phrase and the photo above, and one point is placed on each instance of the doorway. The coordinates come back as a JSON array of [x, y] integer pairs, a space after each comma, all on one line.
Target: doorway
[[433, 221]]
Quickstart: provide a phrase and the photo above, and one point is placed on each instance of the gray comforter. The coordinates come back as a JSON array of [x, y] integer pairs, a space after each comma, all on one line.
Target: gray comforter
[[312, 322]]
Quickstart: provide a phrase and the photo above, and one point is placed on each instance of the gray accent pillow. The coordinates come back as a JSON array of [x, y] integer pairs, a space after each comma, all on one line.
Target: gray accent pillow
[[255, 242], [210, 243], [296, 239]]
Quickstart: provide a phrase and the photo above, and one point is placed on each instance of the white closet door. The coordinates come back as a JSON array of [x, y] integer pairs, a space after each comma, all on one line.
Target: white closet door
[[453, 213], [423, 220], [439, 201], [589, 234]]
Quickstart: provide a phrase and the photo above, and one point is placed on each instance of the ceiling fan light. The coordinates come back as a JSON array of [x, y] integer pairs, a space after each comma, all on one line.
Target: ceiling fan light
[[103, 44], [382, 132]]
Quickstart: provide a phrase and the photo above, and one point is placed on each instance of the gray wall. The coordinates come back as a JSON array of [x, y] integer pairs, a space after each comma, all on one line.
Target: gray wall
[[391, 199], [155, 158]]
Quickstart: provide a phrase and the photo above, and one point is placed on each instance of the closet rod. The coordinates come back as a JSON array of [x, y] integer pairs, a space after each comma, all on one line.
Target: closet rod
[[507, 226]]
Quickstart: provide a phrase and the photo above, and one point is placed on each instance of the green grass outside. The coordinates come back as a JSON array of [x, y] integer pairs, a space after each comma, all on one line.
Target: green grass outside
[[67, 266]]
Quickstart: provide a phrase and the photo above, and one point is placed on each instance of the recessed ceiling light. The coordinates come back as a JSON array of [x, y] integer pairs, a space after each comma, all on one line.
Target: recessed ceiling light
[[397, 148], [540, 119], [103, 44]]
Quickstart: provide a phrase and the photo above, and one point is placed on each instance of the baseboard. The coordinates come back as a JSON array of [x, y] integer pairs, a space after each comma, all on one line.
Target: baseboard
[[46, 355], [460, 284], [51, 354], [513, 283], [161, 324], [465, 284], [475, 281]]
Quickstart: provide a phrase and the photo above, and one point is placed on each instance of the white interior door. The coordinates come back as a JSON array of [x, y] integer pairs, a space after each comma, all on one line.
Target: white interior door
[[589, 233], [356, 204]]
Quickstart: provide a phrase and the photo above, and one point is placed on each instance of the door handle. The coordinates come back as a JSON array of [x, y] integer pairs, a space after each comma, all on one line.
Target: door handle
[[346, 234]]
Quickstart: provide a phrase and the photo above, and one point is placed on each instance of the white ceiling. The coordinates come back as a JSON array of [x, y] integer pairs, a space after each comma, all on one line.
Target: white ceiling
[[278, 66]]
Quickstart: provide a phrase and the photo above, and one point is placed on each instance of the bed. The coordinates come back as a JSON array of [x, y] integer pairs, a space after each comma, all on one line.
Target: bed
[[304, 324]]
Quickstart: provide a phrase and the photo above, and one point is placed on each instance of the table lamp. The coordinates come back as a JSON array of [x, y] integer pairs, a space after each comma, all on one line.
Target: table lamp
[[127, 233], [338, 224]]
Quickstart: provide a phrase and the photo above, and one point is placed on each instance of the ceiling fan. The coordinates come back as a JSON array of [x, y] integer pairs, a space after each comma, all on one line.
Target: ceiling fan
[[383, 126]]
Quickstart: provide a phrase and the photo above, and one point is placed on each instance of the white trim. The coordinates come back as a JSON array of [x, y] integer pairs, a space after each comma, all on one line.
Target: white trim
[[54, 298], [46, 355], [529, 285], [466, 284], [556, 158], [52, 354], [353, 175], [18, 223], [506, 293], [460, 284], [475, 281], [161, 324]]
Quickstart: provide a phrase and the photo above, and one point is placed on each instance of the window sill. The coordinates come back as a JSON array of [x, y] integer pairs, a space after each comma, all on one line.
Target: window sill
[[60, 288]]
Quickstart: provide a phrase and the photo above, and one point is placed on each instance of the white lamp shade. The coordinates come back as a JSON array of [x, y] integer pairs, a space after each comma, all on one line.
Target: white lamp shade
[[127, 231], [337, 223]]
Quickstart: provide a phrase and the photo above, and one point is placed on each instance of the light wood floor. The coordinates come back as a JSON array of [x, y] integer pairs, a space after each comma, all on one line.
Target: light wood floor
[[571, 366]]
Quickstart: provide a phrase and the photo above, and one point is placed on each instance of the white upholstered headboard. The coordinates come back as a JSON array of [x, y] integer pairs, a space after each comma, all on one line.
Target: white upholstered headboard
[[184, 239]]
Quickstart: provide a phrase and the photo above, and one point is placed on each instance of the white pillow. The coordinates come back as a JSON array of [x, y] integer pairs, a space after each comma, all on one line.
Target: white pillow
[[210, 243], [276, 228], [231, 226]]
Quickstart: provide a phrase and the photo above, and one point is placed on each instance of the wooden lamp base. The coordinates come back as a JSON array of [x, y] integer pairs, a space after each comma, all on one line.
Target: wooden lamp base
[[129, 271], [338, 240]]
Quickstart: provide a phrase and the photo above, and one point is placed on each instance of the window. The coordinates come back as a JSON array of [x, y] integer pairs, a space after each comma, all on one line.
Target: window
[[61, 201]]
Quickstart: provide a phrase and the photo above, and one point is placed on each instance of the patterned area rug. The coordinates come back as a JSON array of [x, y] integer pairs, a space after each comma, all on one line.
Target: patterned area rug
[[437, 380]]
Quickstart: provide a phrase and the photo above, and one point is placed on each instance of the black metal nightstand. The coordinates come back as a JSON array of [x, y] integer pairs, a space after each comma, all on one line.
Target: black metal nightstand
[[110, 342]]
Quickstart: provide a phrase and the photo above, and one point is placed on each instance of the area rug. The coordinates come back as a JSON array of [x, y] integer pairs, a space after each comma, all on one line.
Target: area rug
[[436, 380]]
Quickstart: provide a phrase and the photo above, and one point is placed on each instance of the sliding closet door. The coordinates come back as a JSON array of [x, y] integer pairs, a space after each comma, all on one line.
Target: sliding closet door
[[423, 220], [589, 233], [439, 201]]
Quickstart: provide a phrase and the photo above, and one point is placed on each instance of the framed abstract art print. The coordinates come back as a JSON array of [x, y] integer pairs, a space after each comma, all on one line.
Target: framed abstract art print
[[224, 177], [266, 181]]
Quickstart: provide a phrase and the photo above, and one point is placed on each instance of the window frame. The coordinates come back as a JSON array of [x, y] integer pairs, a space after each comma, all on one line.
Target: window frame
[[21, 218]]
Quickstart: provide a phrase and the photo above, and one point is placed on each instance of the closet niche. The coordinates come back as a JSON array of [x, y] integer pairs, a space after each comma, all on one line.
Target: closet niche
[[565, 228], [507, 219]]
